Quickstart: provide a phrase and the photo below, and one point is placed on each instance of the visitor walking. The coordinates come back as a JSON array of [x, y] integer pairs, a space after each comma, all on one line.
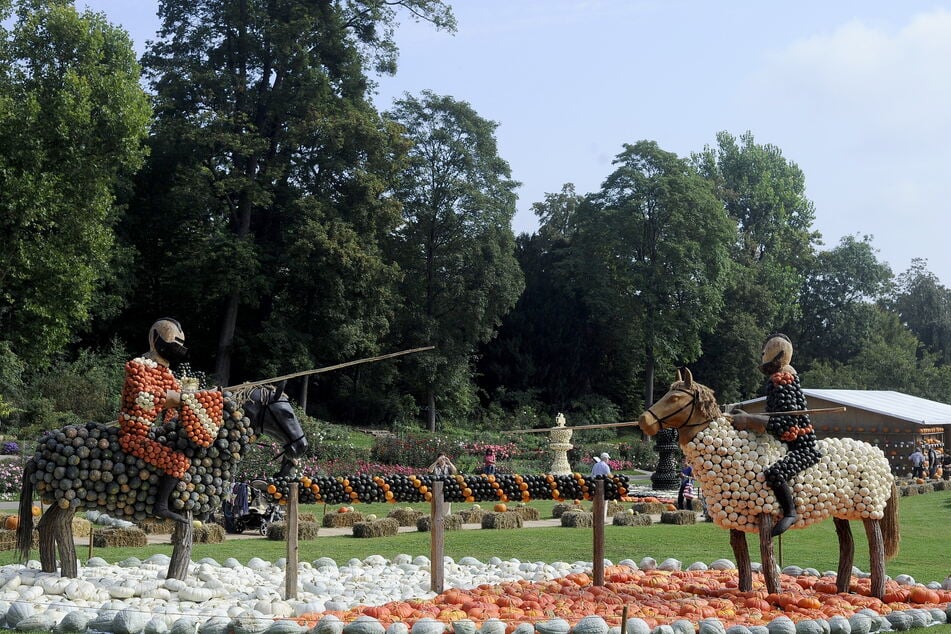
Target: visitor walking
[[917, 463]]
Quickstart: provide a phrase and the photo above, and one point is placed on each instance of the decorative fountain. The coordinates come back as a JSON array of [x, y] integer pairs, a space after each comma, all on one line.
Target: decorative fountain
[[560, 436]]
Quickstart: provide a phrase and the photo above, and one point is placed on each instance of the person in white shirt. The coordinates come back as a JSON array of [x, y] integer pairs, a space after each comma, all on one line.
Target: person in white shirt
[[601, 466]]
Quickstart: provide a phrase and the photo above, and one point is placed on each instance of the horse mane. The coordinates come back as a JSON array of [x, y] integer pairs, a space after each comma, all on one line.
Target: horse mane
[[706, 401]]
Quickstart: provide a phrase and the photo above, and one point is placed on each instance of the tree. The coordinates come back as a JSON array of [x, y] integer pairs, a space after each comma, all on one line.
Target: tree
[[838, 302], [924, 305], [652, 248], [72, 121], [772, 249], [455, 245], [269, 183]]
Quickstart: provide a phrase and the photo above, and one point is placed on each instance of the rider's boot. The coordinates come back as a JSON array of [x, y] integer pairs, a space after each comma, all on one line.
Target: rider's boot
[[165, 487], [787, 504]]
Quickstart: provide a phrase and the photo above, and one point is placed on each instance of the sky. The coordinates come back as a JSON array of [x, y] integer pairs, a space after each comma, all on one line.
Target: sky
[[855, 92]]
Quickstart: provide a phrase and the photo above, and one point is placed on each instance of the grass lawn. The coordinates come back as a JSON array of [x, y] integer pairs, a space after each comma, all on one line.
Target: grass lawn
[[924, 550]]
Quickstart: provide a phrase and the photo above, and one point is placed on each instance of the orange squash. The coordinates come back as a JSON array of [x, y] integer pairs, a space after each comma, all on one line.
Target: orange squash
[[500, 508], [11, 523]]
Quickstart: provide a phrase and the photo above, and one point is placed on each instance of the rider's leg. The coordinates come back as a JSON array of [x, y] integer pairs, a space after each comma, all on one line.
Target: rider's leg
[[787, 504], [166, 485]]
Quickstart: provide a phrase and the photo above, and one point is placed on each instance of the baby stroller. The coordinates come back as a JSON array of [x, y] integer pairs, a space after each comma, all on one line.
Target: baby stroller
[[258, 515]]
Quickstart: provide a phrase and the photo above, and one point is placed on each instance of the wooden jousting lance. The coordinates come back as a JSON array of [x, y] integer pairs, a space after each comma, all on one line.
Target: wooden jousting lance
[[328, 368], [634, 423]]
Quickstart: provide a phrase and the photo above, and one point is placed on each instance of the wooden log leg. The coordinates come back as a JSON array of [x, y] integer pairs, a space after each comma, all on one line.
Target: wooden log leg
[[742, 553], [876, 549], [67, 547], [846, 554], [182, 551], [47, 530], [768, 557]]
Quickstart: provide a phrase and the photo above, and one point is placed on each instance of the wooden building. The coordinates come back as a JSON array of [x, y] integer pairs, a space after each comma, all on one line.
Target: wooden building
[[892, 421]]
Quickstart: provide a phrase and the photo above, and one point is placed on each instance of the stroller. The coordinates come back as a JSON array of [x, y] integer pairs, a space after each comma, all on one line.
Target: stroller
[[256, 515]]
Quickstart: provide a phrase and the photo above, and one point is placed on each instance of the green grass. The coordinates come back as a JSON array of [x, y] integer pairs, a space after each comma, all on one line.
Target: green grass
[[815, 547]]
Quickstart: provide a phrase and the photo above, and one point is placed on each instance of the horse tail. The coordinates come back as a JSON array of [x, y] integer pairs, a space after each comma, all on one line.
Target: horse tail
[[889, 524], [25, 527]]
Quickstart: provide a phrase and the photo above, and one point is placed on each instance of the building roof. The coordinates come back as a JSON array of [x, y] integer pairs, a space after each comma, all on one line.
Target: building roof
[[889, 403]]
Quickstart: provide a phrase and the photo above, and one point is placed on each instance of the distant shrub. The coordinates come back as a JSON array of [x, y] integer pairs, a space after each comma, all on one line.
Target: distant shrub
[[10, 448]]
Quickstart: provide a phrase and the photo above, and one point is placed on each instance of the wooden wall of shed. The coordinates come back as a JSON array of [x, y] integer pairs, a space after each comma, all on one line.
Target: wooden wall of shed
[[894, 436]]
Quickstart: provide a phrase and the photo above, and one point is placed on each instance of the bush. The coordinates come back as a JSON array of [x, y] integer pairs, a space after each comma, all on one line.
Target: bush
[[10, 448]]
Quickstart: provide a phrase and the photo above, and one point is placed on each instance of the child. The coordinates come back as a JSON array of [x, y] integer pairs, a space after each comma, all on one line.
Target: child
[[488, 462]]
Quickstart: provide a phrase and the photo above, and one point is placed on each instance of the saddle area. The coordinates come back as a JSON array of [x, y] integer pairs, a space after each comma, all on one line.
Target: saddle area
[[852, 480]]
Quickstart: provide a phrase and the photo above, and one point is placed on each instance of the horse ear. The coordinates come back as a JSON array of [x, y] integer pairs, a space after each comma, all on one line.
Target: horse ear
[[679, 376], [688, 377], [279, 391]]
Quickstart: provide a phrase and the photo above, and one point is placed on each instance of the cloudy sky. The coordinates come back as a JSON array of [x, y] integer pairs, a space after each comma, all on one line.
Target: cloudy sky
[[857, 93]]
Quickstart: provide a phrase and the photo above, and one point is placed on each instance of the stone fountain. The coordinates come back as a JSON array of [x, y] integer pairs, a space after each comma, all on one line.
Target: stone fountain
[[559, 444]]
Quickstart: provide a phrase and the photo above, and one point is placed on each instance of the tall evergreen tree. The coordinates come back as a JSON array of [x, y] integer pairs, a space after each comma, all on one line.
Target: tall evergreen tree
[[263, 208], [455, 246]]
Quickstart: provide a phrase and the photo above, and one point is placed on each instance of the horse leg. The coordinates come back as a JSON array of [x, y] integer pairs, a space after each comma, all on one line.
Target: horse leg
[[67, 547], [742, 553], [770, 574], [182, 539], [846, 553], [876, 550], [46, 528]]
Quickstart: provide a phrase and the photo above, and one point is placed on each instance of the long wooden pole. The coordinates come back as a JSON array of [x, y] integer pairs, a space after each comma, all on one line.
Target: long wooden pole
[[597, 511], [293, 549], [634, 423], [276, 379], [437, 536]]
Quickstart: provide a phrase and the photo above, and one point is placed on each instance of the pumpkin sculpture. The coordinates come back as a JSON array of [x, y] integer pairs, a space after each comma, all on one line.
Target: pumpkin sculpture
[[852, 481], [84, 467]]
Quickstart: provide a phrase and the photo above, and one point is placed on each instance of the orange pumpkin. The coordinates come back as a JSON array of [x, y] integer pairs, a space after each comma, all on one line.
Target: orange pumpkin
[[11, 523], [500, 508]]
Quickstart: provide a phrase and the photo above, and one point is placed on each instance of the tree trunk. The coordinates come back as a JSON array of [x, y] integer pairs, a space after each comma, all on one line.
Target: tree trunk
[[649, 380], [305, 381], [228, 324], [431, 408]]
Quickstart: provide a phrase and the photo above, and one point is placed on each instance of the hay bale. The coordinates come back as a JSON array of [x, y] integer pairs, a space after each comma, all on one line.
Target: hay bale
[[925, 488], [577, 519], [472, 516], [678, 517], [208, 534], [342, 520], [386, 527], [81, 526], [119, 537], [157, 526], [940, 485], [563, 507], [450, 523], [405, 517], [507, 519], [909, 490], [305, 530], [615, 507], [528, 513], [651, 508], [632, 519], [8, 539], [307, 517]]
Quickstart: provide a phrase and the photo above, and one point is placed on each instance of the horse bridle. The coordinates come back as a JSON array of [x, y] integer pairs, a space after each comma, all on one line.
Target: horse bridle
[[694, 401]]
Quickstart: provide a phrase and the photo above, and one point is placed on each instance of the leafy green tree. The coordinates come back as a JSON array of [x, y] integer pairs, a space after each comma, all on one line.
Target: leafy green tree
[[455, 246], [924, 305], [838, 302], [263, 208], [772, 250], [72, 121], [652, 248]]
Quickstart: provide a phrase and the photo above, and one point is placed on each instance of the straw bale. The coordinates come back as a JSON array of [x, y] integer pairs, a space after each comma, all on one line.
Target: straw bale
[[208, 534], [909, 490], [450, 523], [342, 520], [472, 516], [678, 517], [652, 508], [306, 517], [577, 519], [81, 527], [632, 519], [386, 527], [8, 539], [925, 488], [615, 507], [528, 513], [940, 485], [119, 537], [305, 530], [157, 526], [562, 507], [405, 517], [506, 519]]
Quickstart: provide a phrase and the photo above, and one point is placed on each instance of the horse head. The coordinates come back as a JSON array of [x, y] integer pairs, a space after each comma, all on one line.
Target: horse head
[[271, 414], [688, 407]]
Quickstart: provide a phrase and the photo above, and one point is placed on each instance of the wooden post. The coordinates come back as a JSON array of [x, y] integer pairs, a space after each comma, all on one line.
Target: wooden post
[[437, 544], [182, 539], [92, 536], [293, 552], [624, 620], [742, 553], [770, 574], [598, 529]]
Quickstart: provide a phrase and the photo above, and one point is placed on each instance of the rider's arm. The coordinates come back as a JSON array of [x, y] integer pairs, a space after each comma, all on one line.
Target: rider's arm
[[747, 422], [173, 399]]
